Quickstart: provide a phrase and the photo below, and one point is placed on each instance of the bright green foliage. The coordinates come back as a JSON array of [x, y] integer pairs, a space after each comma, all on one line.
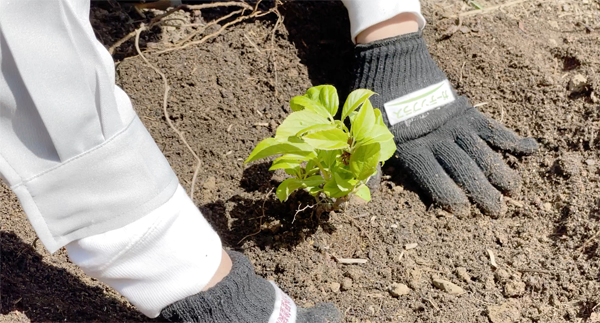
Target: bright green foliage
[[321, 153]]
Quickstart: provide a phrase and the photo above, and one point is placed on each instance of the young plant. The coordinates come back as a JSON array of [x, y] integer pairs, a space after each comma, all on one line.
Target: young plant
[[321, 153]]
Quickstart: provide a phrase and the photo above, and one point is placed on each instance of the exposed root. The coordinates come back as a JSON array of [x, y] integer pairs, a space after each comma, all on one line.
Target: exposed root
[[255, 14], [260, 218], [165, 111]]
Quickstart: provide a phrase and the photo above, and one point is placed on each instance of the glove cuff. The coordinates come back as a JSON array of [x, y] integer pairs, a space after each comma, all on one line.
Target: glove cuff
[[401, 67], [241, 296]]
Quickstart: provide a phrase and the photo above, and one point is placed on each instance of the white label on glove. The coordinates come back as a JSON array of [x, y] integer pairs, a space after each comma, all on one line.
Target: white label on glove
[[418, 102], [285, 309]]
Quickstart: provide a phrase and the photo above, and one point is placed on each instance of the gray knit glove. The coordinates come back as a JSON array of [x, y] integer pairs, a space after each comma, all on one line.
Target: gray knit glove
[[244, 297], [442, 140]]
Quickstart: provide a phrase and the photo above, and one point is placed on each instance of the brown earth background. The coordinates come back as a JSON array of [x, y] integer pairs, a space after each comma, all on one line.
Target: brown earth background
[[533, 65]]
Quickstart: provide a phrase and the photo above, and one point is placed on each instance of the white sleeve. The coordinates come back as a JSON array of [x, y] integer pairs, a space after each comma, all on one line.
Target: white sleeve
[[71, 146], [86, 171], [366, 13]]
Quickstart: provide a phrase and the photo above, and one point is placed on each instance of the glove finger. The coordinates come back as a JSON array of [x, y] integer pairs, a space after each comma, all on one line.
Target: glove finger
[[467, 175], [499, 136], [425, 170], [490, 162]]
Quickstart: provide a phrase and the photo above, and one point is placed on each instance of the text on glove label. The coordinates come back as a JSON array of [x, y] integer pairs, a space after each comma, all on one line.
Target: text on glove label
[[418, 102], [285, 310]]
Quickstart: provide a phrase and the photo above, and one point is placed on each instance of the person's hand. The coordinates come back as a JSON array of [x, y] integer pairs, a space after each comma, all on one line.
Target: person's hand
[[442, 140], [455, 161]]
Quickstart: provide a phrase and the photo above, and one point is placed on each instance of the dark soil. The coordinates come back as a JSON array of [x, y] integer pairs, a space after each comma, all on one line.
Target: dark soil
[[229, 93]]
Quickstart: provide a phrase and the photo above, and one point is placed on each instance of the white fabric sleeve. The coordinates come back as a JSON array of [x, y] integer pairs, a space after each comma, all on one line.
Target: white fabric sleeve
[[366, 13], [85, 169], [166, 256], [71, 146]]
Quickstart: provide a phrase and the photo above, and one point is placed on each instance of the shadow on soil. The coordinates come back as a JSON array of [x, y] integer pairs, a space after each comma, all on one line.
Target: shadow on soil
[[266, 221], [44, 293], [320, 30]]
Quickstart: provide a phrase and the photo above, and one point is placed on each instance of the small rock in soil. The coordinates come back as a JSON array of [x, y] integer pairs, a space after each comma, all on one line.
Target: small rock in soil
[[578, 83], [346, 283], [502, 275], [590, 162], [462, 273], [514, 289], [371, 310], [505, 313], [547, 207], [335, 287], [398, 290], [448, 287], [411, 246], [398, 189]]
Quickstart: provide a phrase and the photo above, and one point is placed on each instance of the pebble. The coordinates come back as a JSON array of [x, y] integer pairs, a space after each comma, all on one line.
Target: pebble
[[578, 83], [411, 246], [514, 288], [346, 283], [398, 290], [502, 275], [371, 310], [335, 287], [462, 273], [448, 287], [590, 162], [547, 207]]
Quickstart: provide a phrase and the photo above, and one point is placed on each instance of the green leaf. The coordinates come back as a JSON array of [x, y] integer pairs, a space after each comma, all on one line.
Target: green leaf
[[363, 161], [388, 148], [313, 181], [327, 140], [271, 146], [331, 189], [315, 128], [327, 157], [314, 93], [302, 101], [287, 187], [293, 172], [298, 121], [378, 133], [299, 156], [284, 164], [354, 100], [341, 125], [345, 184], [363, 192], [363, 122], [329, 98], [378, 117]]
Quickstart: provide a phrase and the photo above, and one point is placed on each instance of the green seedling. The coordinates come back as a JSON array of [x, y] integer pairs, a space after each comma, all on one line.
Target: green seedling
[[322, 155]]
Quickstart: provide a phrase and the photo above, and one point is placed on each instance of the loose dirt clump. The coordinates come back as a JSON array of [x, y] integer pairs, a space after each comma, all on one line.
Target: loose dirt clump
[[533, 65]]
